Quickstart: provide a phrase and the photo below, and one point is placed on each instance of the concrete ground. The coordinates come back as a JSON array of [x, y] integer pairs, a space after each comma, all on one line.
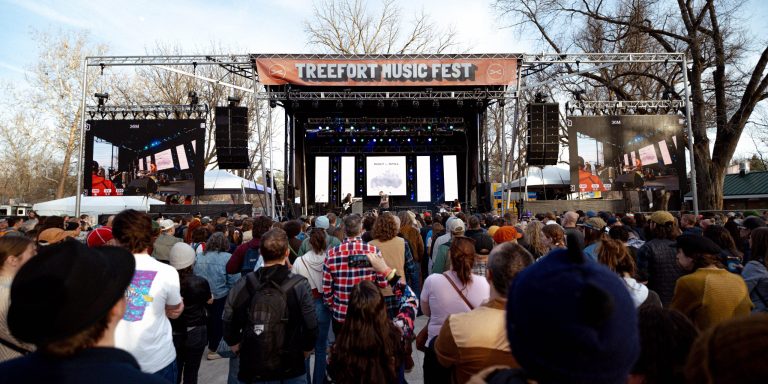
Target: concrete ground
[[215, 371]]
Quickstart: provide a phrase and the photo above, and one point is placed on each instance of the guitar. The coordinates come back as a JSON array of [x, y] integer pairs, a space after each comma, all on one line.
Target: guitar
[[349, 204]]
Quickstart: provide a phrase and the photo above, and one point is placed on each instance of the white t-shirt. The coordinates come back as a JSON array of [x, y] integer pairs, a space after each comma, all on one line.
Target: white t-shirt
[[145, 331]]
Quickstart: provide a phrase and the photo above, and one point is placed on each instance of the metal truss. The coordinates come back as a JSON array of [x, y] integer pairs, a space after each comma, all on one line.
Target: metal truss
[[483, 95], [417, 56], [237, 64], [624, 107], [148, 112], [405, 121]]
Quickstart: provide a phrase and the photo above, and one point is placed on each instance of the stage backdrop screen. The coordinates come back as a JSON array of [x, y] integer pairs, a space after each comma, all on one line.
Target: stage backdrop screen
[[617, 153], [137, 157], [387, 174]]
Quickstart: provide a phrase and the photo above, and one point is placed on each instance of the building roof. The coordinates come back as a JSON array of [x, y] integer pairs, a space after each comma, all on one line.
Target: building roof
[[750, 185]]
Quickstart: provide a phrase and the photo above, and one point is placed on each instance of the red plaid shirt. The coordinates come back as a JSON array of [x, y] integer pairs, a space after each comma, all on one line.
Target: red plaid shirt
[[339, 277]]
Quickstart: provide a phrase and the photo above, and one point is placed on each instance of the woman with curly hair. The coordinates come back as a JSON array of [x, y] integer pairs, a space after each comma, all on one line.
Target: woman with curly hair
[[397, 253], [535, 239], [554, 236]]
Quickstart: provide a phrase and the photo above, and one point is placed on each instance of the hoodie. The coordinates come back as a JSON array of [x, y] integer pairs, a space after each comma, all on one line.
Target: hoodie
[[310, 265], [639, 292]]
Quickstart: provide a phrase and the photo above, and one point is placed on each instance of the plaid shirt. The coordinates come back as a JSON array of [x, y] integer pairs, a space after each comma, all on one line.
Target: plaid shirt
[[339, 278]]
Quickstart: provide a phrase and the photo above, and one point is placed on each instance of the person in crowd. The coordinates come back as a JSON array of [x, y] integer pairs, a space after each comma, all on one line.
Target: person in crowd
[[370, 346], [688, 225], [746, 227], [161, 249], [189, 329], [15, 251], [292, 229], [554, 236], [14, 227], [153, 297], [323, 223], [442, 260], [476, 232], [437, 241], [246, 257], [72, 327], [506, 234], [570, 219], [199, 237], [666, 338], [594, 232], [483, 246], [247, 230], [212, 266], [270, 349], [344, 267], [368, 223], [657, 259], [535, 239], [397, 253], [543, 306], [409, 231], [710, 295], [462, 345], [193, 224], [332, 221], [755, 273], [729, 353], [730, 256], [453, 291], [310, 265], [52, 236], [613, 254]]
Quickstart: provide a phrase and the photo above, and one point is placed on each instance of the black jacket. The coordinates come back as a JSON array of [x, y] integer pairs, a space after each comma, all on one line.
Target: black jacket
[[301, 331], [196, 292], [93, 365]]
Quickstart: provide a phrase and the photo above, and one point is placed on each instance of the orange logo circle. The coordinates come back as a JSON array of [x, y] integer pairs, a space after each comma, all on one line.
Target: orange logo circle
[[277, 71], [495, 72]]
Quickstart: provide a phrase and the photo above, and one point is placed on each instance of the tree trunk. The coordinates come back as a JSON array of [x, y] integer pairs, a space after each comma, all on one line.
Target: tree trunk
[[709, 179], [71, 146]]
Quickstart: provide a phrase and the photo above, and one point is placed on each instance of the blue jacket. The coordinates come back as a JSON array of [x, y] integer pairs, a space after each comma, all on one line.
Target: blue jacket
[[213, 267]]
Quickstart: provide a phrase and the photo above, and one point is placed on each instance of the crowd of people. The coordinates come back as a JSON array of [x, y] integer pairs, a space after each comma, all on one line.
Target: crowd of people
[[577, 297]]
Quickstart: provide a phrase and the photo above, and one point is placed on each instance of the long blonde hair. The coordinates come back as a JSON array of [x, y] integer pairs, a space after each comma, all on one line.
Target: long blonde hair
[[534, 235]]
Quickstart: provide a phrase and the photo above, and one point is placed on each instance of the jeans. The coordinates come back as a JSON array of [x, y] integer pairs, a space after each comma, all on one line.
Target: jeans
[[189, 352], [215, 324], [433, 371], [321, 345], [169, 373], [234, 369], [296, 380]]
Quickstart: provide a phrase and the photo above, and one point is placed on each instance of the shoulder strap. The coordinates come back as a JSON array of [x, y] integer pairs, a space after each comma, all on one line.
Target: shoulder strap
[[14, 347], [471, 307], [290, 282]]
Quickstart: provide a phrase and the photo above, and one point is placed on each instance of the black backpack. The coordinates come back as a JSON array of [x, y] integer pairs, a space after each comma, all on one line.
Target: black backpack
[[250, 261], [265, 335]]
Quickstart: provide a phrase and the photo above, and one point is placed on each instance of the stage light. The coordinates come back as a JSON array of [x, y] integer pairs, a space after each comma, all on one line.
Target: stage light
[[234, 101], [339, 104], [409, 139], [354, 140], [430, 139], [359, 104], [460, 103], [327, 128], [295, 104], [436, 104], [390, 140], [374, 140], [394, 104], [102, 98], [315, 104], [193, 99], [415, 103], [380, 104]]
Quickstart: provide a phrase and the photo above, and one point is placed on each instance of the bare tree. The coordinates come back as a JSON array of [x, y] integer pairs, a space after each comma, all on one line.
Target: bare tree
[[350, 27], [725, 87], [56, 89]]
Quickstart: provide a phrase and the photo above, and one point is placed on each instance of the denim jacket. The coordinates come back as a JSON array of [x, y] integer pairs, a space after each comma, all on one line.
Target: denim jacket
[[212, 267]]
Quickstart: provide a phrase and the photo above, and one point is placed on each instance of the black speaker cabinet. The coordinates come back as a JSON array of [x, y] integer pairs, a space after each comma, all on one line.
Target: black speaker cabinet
[[232, 137]]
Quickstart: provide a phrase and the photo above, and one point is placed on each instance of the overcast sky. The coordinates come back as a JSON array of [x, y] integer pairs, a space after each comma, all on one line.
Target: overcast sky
[[255, 26]]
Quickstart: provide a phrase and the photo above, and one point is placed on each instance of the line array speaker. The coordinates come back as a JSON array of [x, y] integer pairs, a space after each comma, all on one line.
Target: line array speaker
[[543, 134], [232, 137]]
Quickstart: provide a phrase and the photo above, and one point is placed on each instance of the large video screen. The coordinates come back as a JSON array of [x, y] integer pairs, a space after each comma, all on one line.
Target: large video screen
[[385, 174], [618, 153], [140, 157]]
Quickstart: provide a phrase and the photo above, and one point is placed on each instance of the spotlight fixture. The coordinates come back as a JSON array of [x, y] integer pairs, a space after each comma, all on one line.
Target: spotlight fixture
[[415, 103], [436, 104], [315, 104], [295, 105], [272, 103], [102, 98], [380, 104], [193, 98], [359, 104], [339, 104], [460, 103], [394, 104], [234, 101]]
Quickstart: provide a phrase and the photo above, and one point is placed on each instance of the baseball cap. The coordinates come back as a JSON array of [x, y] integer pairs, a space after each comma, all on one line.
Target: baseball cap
[[595, 223], [752, 222], [662, 217], [505, 234], [455, 226], [99, 236], [53, 295], [166, 224], [205, 220]]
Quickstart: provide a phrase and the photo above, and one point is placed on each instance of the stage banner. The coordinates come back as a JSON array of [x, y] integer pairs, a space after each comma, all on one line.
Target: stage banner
[[626, 153], [142, 157], [387, 72]]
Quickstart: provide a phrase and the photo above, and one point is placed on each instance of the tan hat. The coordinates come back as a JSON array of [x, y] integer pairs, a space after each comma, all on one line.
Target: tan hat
[[55, 235], [662, 217], [166, 224], [595, 223]]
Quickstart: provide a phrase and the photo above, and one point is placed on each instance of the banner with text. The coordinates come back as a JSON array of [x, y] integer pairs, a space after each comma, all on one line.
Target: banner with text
[[387, 72]]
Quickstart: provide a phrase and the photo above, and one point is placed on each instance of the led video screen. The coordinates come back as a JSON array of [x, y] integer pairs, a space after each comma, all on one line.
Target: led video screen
[[140, 157], [385, 174]]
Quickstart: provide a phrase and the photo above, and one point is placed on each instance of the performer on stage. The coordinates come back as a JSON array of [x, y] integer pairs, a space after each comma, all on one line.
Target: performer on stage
[[347, 204], [383, 201], [100, 185], [588, 180]]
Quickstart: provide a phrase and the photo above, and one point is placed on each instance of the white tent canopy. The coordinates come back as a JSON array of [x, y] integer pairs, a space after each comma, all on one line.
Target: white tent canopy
[[221, 181], [550, 175], [94, 205]]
